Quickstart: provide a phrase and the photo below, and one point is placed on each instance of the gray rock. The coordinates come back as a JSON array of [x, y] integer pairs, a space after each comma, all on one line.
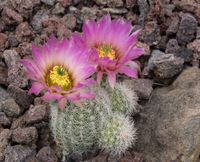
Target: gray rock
[[185, 53], [22, 98], [5, 135], [167, 66], [144, 9], [18, 123], [46, 154], [18, 153], [187, 29], [36, 114], [48, 2], [4, 121], [27, 135], [170, 127], [40, 16], [155, 55], [11, 108], [143, 87]]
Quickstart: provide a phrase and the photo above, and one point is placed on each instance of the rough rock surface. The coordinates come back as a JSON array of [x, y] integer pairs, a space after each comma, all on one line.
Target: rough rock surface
[[27, 135], [46, 154], [4, 141], [18, 153], [170, 129]]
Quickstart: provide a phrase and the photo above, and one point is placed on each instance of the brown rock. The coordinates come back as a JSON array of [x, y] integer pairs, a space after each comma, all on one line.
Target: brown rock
[[46, 154], [102, 157], [16, 72], [69, 20], [18, 123], [18, 153], [65, 3], [32, 159], [172, 46], [145, 47], [132, 157], [24, 7], [170, 127], [3, 75], [22, 98], [173, 27], [24, 32], [186, 5], [11, 108], [194, 46], [130, 3], [10, 17], [24, 49], [3, 41], [5, 135], [142, 87], [36, 114], [4, 121], [27, 135]]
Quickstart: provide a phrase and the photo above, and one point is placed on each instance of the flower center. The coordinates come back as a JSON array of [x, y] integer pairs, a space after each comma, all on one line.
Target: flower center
[[106, 51], [59, 76]]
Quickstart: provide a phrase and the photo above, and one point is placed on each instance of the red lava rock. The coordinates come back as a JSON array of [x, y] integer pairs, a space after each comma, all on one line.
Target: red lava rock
[[27, 135], [3, 41], [36, 114], [186, 5], [173, 27], [194, 46], [18, 153], [46, 154], [10, 17], [65, 3], [3, 74], [130, 3], [197, 13], [24, 7], [24, 32], [110, 3], [57, 26], [18, 123], [24, 49], [69, 20], [22, 98]]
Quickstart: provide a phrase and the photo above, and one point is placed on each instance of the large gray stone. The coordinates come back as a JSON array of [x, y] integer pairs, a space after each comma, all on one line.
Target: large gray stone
[[170, 127]]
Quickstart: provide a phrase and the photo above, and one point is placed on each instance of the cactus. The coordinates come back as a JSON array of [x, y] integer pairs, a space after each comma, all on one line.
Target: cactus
[[118, 134], [122, 99], [99, 122]]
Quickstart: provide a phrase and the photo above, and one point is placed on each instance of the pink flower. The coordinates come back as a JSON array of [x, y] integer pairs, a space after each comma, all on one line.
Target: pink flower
[[60, 70], [112, 47]]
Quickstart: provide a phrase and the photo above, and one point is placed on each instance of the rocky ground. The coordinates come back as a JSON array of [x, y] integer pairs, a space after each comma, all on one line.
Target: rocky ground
[[168, 119]]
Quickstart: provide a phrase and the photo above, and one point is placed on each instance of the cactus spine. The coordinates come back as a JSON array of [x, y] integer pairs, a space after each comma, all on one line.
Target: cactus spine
[[102, 122]]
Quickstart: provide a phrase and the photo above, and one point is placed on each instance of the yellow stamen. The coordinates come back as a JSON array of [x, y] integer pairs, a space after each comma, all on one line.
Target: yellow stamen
[[59, 76], [106, 51]]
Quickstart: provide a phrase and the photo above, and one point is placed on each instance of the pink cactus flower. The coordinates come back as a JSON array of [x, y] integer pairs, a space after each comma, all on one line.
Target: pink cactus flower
[[60, 70], [112, 47]]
